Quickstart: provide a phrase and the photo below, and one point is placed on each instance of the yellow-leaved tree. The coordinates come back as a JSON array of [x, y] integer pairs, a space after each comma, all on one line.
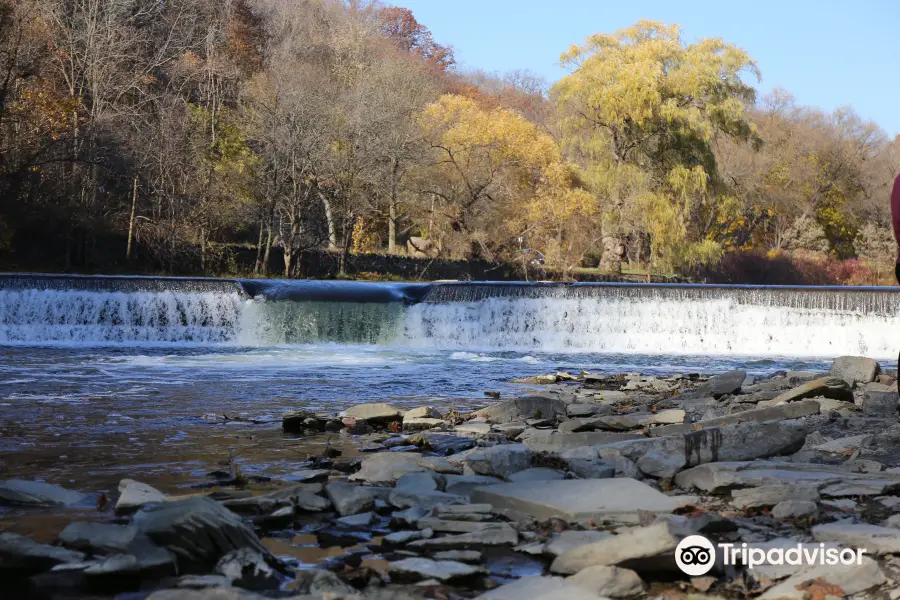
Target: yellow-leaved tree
[[640, 112]]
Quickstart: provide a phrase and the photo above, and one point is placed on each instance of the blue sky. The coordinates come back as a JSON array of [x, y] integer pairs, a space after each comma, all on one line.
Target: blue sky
[[828, 53]]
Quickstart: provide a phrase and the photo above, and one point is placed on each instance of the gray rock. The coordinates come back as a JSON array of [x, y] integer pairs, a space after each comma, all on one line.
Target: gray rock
[[718, 477], [794, 509], [670, 416], [423, 412], [466, 556], [19, 492], [829, 387], [660, 465], [770, 495], [408, 517], [356, 521], [199, 582], [20, 553], [452, 526], [726, 383], [462, 485], [850, 579], [388, 467], [587, 410], [880, 404], [500, 461], [579, 500], [101, 538], [423, 480], [841, 445], [521, 409], [302, 496], [623, 422], [783, 412], [875, 539], [494, 535], [197, 530], [143, 557], [561, 442], [861, 487], [640, 548], [349, 499], [540, 588], [308, 476], [510, 430], [422, 499], [571, 538], [855, 369], [441, 443], [207, 594], [247, 568], [418, 424], [134, 494], [319, 582], [374, 413], [416, 569], [537, 474], [398, 538], [829, 405], [473, 429], [609, 582]]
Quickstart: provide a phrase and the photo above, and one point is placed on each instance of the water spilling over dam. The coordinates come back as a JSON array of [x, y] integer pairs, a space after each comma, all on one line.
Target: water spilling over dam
[[561, 318]]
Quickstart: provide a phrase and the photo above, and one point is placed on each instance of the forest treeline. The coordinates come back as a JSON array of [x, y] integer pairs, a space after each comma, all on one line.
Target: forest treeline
[[182, 128]]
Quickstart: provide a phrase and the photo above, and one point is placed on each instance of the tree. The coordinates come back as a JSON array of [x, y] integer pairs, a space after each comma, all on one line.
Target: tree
[[640, 111]]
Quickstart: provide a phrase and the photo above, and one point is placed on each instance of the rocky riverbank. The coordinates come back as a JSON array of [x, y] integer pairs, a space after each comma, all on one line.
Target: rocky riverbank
[[583, 490]]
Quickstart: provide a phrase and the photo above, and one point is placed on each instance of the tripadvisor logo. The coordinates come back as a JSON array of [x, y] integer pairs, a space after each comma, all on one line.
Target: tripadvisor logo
[[695, 555]]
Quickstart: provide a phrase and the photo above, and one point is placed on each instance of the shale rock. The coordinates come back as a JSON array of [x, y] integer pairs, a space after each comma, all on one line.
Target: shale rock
[[19, 553], [829, 387], [372, 413], [609, 582], [521, 409], [648, 548], [500, 461], [726, 383], [19, 492], [416, 569]]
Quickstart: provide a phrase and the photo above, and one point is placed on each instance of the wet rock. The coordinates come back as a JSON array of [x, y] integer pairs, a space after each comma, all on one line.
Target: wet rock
[[579, 500], [19, 553], [570, 539], [770, 495], [522, 409], [855, 369], [427, 500], [493, 535], [499, 461], [726, 383], [850, 579], [642, 549], [441, 443], [537, 474], [462, 485], [319, 582], [248, 569], [372, 413], [609, 582], [134, 494], [422, 480], [842, 445], [560, 442], [874, 538], [19, 492], [880, 404], [446, 571], [828, 387], [660, 465], [387, 467], [197, 530], [349, 499], [794, 509], [540, 588], [794, 410], [98, 538], [466, 556]]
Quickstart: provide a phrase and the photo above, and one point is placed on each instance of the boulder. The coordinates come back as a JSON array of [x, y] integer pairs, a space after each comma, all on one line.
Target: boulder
[[794, 509], [19, 553], [521, 409], [540, 588], [849, 579], [726, 383], [420, 481], [19, 492], [828, 387], [855, 369], [372, 413], [579, 500], [445, 571], [197, 530], [649, 548], [388, 467], [423, 412], [499, 461], [660, 465], [880, 404], [349, 499], [134, 494], [609, 582], [874, 539]]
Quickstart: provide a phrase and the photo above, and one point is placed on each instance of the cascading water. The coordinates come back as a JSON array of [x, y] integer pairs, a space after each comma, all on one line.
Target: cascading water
[[628, 319]]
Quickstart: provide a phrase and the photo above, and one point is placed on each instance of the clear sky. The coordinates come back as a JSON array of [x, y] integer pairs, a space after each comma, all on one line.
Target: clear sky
[[827, 53]]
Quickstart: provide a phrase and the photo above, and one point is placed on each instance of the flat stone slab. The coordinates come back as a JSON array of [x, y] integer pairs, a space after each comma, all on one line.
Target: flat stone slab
[[578, 500], [540, 588], [783, 412], [719, 477], [560, 442], [20, 492], [873, 538], [848, 443]]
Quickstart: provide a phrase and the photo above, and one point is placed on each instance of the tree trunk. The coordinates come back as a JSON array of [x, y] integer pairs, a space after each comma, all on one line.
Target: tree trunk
[[329, 218], [348, 242], [265, 260], [392, 208], [131, 220], [259, 247], [287, 261]]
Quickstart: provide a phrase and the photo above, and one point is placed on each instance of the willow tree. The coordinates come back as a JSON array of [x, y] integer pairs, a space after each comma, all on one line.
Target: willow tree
[[641, 111]]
